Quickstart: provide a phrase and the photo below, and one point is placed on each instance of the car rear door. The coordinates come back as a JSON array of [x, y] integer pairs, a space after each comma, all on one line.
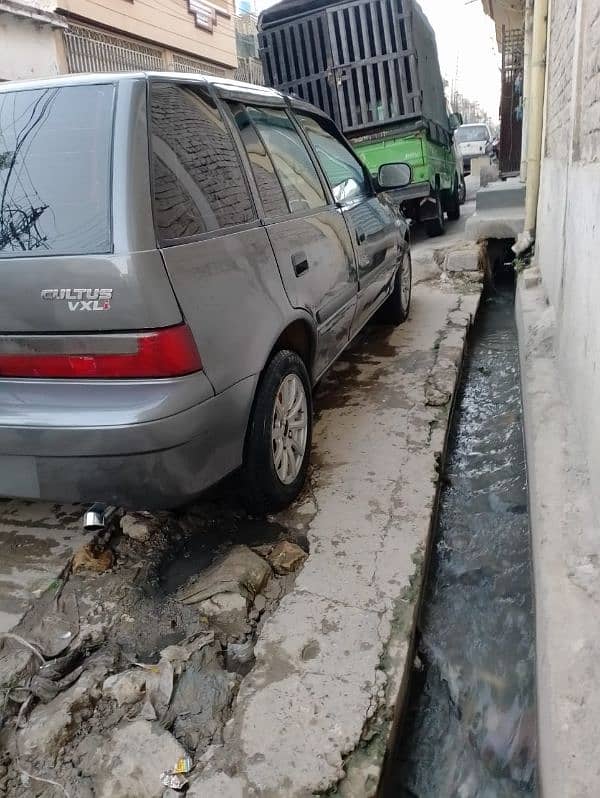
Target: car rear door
[[373, 224], [217, 253], [307, 231]]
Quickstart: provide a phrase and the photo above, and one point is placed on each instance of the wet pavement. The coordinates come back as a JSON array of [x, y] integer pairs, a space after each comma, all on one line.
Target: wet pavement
[[312, 705], [470, 729]]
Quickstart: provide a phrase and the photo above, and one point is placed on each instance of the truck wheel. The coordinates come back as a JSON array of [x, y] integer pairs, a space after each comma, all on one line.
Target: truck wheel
[[396, 307], [462, 194], [435, 227], [279, 436], [453, 208]]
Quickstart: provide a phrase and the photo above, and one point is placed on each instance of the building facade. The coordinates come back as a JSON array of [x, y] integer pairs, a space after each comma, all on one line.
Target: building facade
[[561, 169], [41, 38], [561, 149]]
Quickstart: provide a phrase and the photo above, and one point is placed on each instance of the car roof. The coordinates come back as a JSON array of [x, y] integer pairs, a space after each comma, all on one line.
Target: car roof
[[225, 87]]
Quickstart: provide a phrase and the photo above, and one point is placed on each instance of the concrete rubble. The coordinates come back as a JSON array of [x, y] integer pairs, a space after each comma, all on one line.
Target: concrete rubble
[[271, 651]]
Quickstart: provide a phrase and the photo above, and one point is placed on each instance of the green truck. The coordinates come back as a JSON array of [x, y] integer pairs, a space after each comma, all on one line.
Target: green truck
[[372, 65]]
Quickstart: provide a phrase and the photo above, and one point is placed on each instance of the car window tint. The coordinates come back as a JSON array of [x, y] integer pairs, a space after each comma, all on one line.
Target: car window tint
[[269, 187], [55, 168], [199, 184], [342, 168], [294, 167]]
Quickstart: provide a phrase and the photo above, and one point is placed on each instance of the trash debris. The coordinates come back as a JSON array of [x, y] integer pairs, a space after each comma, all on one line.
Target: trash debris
[[240, 571], [137, 526], [175, 781], [239, 656], [184, 765], [46, 689], [92, 558], [57, 627], [286, 557], [159, 688]]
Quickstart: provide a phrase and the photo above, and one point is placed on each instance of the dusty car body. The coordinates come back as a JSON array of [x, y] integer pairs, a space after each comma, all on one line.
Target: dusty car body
[[182, 259]]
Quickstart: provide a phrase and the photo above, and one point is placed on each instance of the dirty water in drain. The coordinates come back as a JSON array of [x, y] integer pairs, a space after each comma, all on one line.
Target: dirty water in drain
[[469, 729]]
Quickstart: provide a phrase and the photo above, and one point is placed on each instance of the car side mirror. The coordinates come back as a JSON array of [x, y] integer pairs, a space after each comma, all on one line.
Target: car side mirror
[[455, 121], [394, 175]]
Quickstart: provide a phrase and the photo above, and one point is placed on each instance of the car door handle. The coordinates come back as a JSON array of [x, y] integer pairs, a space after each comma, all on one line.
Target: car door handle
[[300, 263], [360, 237]]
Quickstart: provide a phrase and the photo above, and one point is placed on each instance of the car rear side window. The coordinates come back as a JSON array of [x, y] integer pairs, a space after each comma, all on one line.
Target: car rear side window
[[296, 171], [55, 170], [342, 168], [199, 185], [269, 187]]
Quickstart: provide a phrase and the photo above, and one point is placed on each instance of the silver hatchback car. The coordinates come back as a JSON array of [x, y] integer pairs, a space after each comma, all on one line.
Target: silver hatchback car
[[182, 258]]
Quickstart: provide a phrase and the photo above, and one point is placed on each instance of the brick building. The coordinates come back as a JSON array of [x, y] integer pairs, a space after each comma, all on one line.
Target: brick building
[[40, 38]]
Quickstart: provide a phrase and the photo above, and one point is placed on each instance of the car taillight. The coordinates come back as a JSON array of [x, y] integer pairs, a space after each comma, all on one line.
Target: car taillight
[[167, 352]]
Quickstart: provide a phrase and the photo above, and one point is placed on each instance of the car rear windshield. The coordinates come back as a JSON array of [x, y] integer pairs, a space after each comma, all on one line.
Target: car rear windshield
[[55, 170], [471, 133]]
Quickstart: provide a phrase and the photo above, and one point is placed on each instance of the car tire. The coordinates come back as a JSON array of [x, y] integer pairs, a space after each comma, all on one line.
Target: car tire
[[277, 455], [396, 307], [436, 226], [453, 208]]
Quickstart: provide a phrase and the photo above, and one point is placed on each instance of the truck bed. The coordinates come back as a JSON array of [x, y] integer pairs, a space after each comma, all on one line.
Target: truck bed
[[368, 64]]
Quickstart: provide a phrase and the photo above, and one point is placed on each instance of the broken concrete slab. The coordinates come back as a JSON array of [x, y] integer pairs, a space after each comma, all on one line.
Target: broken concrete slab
[[286, 557], [227, 612], [462, 260], [137, 526], [131, 762], [37, 539], [50, 725], [125, 688]]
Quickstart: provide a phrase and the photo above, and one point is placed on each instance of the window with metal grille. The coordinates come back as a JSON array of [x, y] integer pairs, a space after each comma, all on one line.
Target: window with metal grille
[[90, 50], [184, 63]]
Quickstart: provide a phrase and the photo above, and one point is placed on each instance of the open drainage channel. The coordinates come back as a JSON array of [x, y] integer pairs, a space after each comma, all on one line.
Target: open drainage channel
[[469, 729]]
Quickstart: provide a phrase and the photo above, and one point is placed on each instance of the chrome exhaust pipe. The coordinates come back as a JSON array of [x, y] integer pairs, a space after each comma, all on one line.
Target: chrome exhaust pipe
[[96, 517]]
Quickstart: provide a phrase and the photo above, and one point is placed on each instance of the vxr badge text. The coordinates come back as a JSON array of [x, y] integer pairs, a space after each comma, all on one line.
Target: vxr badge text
[[81, 298]]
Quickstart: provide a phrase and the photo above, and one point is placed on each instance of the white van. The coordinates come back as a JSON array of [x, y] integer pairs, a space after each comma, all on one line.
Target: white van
[[474, 141]]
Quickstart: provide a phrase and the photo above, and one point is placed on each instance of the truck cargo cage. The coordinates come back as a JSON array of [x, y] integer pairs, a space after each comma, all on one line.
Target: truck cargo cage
[[356, 60]]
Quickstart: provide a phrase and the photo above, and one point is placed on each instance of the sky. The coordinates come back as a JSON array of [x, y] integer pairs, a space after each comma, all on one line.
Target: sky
[[467, 48]]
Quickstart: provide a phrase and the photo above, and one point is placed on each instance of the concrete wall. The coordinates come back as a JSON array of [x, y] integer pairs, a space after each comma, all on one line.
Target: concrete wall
[[568, 227], [27, 49], [166, 22]]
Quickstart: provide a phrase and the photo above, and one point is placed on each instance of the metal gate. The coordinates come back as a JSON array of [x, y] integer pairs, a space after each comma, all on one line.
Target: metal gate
[[297, 59], [356, 61], [374, 66], [511, 102]]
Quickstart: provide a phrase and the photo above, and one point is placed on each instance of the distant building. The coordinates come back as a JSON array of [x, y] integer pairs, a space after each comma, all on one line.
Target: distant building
[[41, 38], [246, 37]]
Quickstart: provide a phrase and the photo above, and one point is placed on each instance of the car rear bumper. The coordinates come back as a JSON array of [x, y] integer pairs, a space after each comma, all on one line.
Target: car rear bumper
[[160, 462], [412, 192]]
